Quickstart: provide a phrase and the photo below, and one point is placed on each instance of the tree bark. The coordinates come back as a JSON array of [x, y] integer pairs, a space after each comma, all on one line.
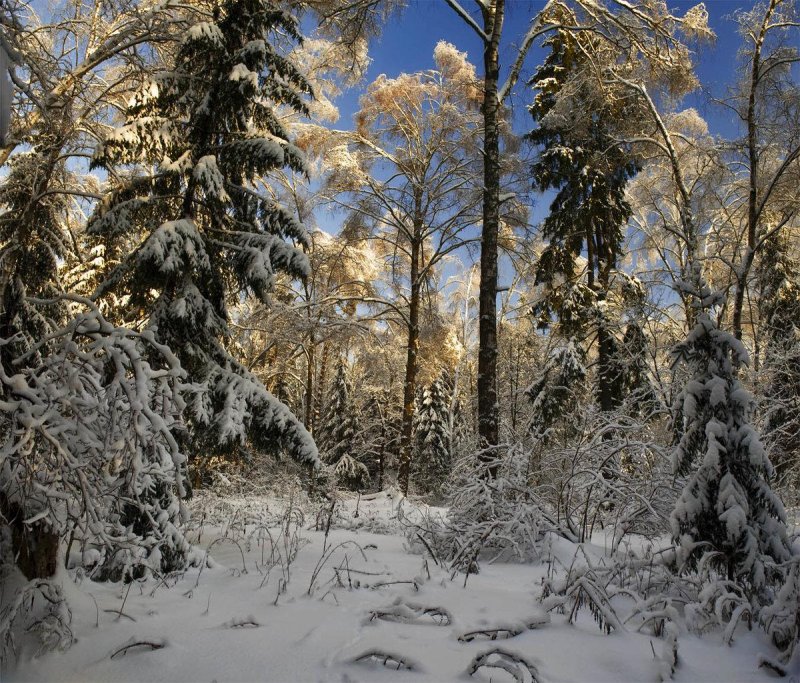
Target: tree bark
[[35, 546], [488, 422], [309, 400], [410, 385], [321, 385], [753, 160]]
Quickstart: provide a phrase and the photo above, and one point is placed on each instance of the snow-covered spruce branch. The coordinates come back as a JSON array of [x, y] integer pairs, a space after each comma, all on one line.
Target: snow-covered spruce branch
[[89, 445]]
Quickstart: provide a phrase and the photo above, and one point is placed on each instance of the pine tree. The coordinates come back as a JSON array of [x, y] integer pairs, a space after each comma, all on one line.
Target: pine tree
[[580, 159], [433, 457], [727, 512], [202, 133], [340, 435]]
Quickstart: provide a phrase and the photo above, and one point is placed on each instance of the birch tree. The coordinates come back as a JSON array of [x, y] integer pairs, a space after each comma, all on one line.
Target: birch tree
[[406, 179]]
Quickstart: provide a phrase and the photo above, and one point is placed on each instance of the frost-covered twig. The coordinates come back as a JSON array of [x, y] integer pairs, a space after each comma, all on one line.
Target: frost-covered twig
[[150, 644], [326, 555]]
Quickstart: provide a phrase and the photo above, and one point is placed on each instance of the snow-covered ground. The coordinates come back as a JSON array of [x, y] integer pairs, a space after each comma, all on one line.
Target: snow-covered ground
[[351, 595]]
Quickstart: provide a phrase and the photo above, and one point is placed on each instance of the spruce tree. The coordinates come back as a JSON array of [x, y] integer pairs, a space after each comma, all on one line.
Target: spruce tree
[[727, 513], [637, 387], [556, 392], [433, 457], [201, 135], [780, 294], [461, 437], [382, 433], [581, 160], [340, 435]]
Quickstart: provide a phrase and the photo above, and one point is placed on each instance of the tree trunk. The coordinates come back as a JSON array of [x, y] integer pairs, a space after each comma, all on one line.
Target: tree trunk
[[609, 391], [323, 378], [753, 160], [410, 385], [309, 400], [34, 546], [488, 422]]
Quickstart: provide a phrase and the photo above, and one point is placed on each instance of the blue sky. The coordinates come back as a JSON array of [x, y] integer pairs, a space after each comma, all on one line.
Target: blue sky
[[407, 42]]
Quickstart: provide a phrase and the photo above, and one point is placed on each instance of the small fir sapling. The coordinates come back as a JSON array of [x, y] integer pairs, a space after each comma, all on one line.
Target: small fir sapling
[[553, 393], [727, 515], [432, 460], [340, 435]]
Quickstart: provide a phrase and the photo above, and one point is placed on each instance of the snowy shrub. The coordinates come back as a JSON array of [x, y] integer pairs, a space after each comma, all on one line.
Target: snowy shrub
[[48, 619], [781, 620], [488, 517], [571, 477], [581, 588], [719, 604], [88, 449], [243, 502]]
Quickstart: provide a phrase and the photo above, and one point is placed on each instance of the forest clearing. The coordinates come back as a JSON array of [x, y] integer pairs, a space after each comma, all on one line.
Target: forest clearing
[[372, 340]]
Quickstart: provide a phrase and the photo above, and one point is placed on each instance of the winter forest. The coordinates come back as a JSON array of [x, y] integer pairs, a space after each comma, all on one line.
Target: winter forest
[[487, 370]]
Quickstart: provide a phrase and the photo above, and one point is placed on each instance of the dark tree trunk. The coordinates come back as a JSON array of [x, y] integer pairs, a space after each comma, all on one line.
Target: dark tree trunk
[[323, 378], [309, 400], [609, 389], [488, 421], [35, 546], [753, 159], [410, 385]]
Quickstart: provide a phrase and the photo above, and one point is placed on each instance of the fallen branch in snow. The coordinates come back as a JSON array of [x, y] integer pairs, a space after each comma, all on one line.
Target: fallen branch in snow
[[772, 665], [502, 633], [247, 622], [120, 613], [386, 659], [384, 584], [521, 670], [506, 631], [152, 644], [412, 614]]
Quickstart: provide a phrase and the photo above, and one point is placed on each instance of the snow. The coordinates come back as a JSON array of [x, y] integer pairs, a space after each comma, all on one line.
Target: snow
[[230, 621], [240, 72], [206, 30], [207, 173]]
